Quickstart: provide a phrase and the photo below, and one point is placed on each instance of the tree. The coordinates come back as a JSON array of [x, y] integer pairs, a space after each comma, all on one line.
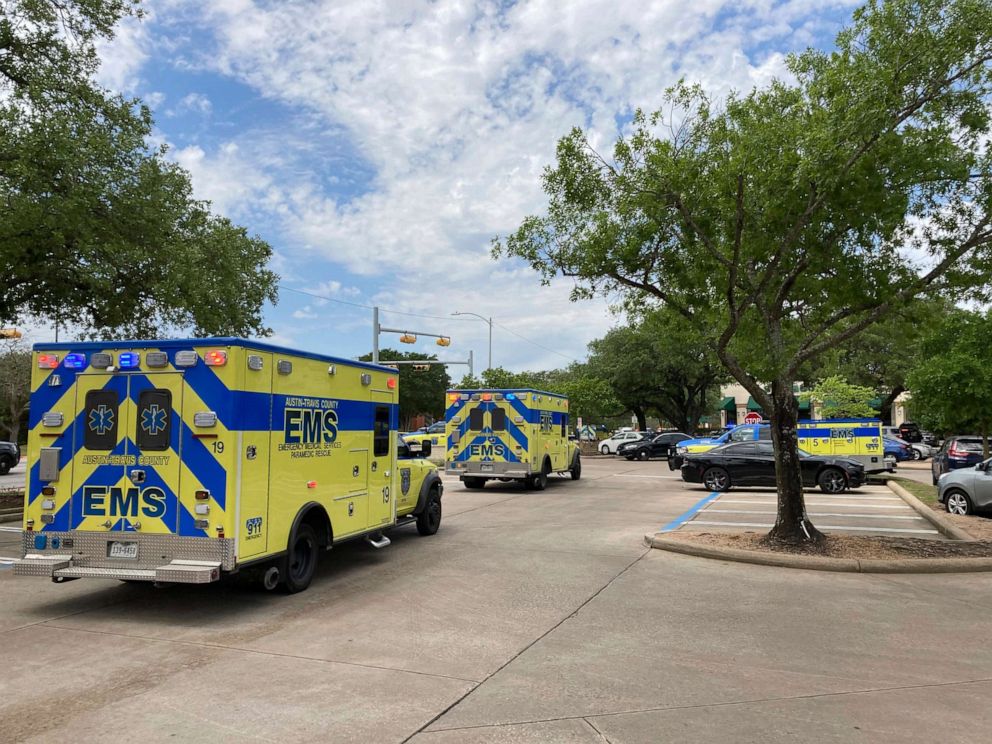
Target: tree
[[15, 388], [659, 364], [883, 354], [951, 383], [97, 228], [421, 392], [779, 223], [840, 399]]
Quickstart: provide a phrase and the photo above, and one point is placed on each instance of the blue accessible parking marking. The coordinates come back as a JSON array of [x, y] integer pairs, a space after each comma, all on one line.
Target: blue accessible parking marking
[[685, 517]]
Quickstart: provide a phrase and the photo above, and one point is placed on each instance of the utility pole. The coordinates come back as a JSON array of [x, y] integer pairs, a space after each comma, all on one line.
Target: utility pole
[[489, 321]]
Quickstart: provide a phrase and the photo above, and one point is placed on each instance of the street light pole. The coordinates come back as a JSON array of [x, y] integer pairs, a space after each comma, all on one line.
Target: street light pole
[[490, 322]]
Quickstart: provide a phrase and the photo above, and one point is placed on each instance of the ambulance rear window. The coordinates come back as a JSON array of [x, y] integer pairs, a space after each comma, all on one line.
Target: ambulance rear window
[[475, 419], [154, 420], [380, 432], [100, 420], [499, 419]]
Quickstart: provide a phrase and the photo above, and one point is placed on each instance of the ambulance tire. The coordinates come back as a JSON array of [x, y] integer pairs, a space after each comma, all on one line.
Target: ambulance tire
[[576, 470], [300, 562], [474, 482], [541, 479], [429, 519]]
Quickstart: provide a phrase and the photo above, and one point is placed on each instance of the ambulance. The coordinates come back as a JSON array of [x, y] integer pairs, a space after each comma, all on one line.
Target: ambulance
[[853, 439], [183, 461], [508, 435]]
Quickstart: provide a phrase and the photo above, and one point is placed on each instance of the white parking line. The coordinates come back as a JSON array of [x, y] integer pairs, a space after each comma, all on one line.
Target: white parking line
[[769, 525], [846, 506], [817, 514], [666, 477], [10, 529]]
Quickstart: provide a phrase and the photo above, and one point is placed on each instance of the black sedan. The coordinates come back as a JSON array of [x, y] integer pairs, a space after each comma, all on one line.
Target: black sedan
[[659, 445], [753, 464]]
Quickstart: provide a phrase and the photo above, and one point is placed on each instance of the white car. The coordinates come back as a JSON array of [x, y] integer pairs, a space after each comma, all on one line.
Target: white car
[[609, 446], [919, 450]]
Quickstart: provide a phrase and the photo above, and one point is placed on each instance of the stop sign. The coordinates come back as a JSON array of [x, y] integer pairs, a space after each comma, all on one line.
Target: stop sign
[[752, 417]]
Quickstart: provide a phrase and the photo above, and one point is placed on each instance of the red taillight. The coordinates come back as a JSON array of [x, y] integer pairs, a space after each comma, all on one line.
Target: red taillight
[[391, 383], [215, 358], [955, 452], [48, 361]]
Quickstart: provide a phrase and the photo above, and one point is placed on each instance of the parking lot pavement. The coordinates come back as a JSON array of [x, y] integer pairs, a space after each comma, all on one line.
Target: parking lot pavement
[[870, 510], [528, 617], [15, 478]]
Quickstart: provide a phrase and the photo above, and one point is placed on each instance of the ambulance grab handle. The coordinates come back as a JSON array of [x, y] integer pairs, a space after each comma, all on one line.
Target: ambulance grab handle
[[137, 476]]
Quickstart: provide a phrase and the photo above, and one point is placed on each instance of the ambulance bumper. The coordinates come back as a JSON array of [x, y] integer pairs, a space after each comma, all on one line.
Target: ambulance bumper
[[489, 469], [157, 558]]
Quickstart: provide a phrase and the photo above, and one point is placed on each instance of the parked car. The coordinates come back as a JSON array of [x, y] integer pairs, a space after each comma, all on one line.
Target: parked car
[[910, 432], [931, 439], [966, 490], [956, 452], [917, 450], [10, 455], [610, 446], [897, 448], [753, 464], [660, 445]]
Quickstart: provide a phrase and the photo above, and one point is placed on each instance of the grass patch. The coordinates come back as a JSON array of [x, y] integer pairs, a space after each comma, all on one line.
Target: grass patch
[[923, 491]]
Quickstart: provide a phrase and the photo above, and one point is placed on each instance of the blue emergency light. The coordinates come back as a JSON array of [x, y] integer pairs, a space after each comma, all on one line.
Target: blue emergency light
[[128, 360], [75, 361], [511, 396]]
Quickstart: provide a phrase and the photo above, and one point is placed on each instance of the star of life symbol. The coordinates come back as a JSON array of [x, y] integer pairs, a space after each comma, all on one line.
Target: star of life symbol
[[101, 419], [153, 419]]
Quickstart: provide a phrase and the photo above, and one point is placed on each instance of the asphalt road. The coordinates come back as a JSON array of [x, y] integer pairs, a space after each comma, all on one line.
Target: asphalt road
[[15, 478], [528, 617]]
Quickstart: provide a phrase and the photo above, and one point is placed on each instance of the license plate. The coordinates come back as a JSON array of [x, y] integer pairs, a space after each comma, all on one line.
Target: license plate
[[118, 549], [487, 467]]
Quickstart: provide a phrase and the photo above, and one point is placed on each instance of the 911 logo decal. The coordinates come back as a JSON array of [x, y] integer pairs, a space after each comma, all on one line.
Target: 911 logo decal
[[253, 527]]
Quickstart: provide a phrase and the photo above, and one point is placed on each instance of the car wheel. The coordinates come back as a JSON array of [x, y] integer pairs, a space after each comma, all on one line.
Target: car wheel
[[957, 502], [604, 450], [917, 455], [429, 519], [832, 480], [474, 482], [642, 455], [5, 466], [301, 561], [576, 469], [716, 479]]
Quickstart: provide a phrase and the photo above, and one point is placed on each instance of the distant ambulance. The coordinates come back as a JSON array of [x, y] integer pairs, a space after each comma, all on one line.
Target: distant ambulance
[[854, 439], [179, 461], [509, 435]]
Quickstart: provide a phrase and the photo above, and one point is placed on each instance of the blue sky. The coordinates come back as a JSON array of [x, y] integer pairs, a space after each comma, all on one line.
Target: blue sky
[[379, 146]]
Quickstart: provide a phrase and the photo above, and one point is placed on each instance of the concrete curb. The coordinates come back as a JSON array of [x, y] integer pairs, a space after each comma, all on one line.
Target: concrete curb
[[941, 524], [816, 563]]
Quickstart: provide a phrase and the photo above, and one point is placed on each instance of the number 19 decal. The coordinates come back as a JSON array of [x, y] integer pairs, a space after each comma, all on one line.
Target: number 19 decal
[[218, 447]]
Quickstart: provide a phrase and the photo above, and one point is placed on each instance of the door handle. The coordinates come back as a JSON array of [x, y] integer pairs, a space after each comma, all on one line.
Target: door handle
[[137, 476]]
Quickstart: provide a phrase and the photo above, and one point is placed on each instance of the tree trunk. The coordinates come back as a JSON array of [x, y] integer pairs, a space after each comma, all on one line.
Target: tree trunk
[[14, 429], [642, 422], [885, 410], [791, 524]]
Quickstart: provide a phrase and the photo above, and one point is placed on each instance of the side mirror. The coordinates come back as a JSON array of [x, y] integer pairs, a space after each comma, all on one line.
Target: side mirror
[[425, 448]]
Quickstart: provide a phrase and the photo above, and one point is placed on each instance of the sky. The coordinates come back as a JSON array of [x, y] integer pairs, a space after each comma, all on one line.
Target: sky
[[380, 145]]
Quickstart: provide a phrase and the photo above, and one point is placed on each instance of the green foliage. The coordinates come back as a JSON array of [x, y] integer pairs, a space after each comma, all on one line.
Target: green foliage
[[951, 383], [837, 398], [15, 388], [779, 223], [97, 228], [660, 364], [421, 393]]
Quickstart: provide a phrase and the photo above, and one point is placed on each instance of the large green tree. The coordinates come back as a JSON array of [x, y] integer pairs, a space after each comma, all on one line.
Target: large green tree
[[951, 382], [15, 388], [660, 364], [788, 220], [98, 229]]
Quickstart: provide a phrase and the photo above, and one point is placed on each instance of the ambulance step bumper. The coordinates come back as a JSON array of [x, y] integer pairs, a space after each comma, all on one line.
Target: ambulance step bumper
[[176, 572]]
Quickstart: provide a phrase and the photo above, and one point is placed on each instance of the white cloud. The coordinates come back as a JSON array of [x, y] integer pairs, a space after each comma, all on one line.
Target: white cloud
[[458, 106], [196, 102], [122, 57]]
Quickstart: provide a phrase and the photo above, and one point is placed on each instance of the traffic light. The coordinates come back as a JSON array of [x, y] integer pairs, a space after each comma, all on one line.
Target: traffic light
[[408, 338], [444, 341], [9, 333], [421, 367]]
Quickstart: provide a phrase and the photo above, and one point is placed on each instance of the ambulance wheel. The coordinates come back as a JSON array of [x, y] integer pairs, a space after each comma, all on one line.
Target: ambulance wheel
[[430, 518], [474, 482], [541, 479], [301, 561], [576, 470]]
